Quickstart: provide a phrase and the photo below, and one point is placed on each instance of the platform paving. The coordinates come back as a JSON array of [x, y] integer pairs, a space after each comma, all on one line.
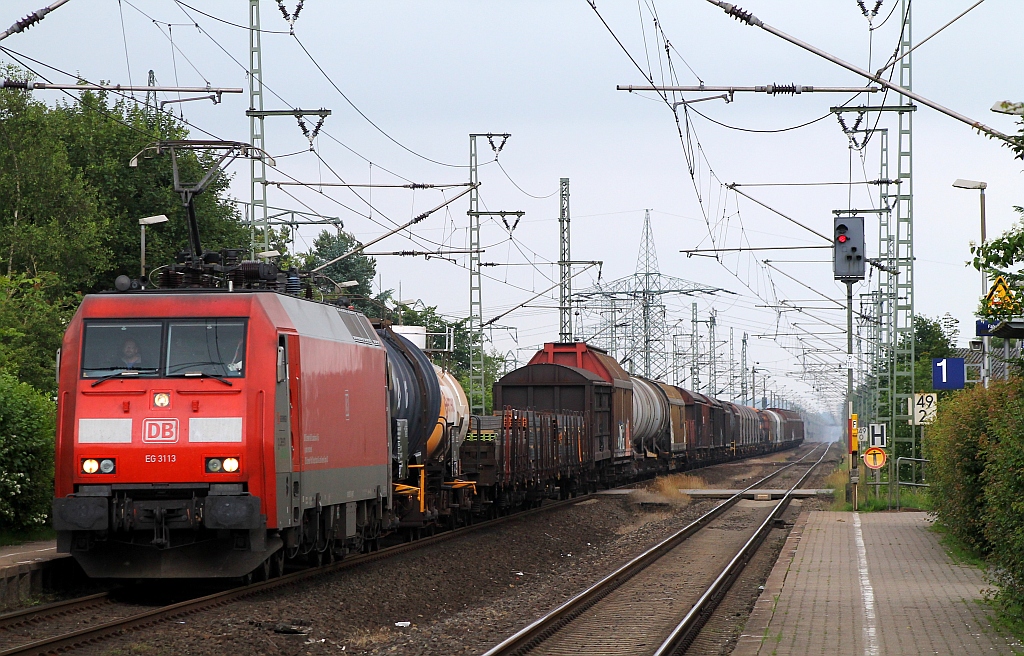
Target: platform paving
[[26, 568], [870, 584], [28, 552]]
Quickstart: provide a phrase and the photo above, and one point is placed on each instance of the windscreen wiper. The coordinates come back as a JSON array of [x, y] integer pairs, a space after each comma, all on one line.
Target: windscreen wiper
[[203, 374], [125, 372]]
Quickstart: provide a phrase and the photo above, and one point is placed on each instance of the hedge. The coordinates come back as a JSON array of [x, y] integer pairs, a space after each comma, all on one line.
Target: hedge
[[977, 476], [26, 454]]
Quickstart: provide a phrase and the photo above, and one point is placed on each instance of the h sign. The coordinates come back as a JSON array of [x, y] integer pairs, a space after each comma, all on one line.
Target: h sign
[[160, 430], [948, 373], [878, 436]]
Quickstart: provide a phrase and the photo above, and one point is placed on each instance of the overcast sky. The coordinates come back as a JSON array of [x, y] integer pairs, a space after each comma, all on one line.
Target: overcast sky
[[428, 74]]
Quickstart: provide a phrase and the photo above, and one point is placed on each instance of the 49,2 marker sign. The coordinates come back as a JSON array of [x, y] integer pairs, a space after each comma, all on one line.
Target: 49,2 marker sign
[[923, 408]]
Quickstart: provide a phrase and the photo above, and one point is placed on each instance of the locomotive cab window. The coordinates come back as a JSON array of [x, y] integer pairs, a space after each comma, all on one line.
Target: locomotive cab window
[[214, 347], [121, 348]]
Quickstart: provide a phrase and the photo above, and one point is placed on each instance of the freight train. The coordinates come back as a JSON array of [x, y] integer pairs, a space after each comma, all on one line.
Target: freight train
[[222, 431]]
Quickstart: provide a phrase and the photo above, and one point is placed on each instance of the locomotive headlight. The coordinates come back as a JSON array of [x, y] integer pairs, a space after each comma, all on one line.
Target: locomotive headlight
[[90, 466], [107, 466], [161, 400], [230, 465], [213, 465]]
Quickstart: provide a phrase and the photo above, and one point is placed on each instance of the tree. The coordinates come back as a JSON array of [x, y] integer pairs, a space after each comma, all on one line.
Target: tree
[[49, 216], [932, 339], [33, 316], [26, 454], [100, 138], [329, 245]]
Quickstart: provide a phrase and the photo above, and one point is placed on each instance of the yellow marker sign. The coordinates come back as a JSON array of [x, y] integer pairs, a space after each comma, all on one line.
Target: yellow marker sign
[[874, 458], [1001, 299]]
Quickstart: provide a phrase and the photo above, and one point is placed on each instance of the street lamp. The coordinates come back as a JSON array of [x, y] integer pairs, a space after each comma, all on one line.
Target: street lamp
[[1009, 107], [401, 306], [143, 222], [980, 186]]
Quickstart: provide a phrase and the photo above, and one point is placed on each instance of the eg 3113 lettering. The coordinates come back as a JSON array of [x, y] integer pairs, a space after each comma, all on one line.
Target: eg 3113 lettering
[[161, 457]]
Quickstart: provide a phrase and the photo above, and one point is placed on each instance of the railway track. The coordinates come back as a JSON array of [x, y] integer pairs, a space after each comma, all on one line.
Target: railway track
[[71, 640], [636, 609]]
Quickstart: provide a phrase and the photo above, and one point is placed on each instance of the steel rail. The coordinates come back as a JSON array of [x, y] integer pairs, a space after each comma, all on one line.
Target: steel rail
[[539, 630], [116, 627], [56, 609], [686, 631]]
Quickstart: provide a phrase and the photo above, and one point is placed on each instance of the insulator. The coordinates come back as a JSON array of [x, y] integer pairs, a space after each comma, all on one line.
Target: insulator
[[231, 256], [741, 15], [292, 285], [191, 278], [785, 89], [237, 277], [250, 270], [170, 279]]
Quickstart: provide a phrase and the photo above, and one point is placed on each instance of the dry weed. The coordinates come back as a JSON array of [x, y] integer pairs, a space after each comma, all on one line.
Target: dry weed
[[365, 638], [666, 490]]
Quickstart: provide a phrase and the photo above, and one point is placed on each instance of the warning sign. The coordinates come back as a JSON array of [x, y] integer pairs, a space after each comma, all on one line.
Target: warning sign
[[1001, 300], [874, 458]]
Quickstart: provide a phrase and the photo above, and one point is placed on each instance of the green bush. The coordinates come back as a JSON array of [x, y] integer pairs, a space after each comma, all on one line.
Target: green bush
[[1004, 502], [977, 476], [965, 427], [26, 454]]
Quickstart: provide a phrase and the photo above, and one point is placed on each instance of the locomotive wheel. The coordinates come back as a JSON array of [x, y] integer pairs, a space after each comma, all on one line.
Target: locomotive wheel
[[262, 572], [277, 563], [315, 558]]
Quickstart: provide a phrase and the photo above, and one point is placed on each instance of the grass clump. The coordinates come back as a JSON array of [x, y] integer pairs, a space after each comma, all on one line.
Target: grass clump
[[837, 481], [665, 490]]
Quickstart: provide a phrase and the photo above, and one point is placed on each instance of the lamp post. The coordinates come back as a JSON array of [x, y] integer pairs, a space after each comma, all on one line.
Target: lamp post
[[143, 222], [980, 186]]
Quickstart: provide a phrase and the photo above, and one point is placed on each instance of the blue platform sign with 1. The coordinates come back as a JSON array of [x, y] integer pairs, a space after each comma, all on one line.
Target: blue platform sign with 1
[[948, 373]]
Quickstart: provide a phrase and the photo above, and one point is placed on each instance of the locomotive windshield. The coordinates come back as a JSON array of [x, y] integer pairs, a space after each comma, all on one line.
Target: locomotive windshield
[[175, 347], [214, 347], [111, 348]]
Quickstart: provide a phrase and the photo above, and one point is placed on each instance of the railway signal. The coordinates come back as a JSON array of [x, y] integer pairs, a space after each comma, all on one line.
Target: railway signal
[[848, 255]]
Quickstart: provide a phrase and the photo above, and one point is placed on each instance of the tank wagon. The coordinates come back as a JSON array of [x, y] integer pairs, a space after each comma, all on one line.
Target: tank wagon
[[213, 433]]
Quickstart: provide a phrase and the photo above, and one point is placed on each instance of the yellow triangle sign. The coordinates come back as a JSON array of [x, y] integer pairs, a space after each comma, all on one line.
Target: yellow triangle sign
[[999, 294]]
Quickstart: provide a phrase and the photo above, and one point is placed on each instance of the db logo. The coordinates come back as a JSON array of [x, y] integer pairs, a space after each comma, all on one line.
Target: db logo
[[160, 430]]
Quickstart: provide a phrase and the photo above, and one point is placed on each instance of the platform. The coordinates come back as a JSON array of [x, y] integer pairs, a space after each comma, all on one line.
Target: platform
[[25, 569], [870, 584]]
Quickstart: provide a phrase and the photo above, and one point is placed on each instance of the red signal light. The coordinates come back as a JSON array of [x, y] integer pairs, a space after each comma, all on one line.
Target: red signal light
[[842, 239]]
